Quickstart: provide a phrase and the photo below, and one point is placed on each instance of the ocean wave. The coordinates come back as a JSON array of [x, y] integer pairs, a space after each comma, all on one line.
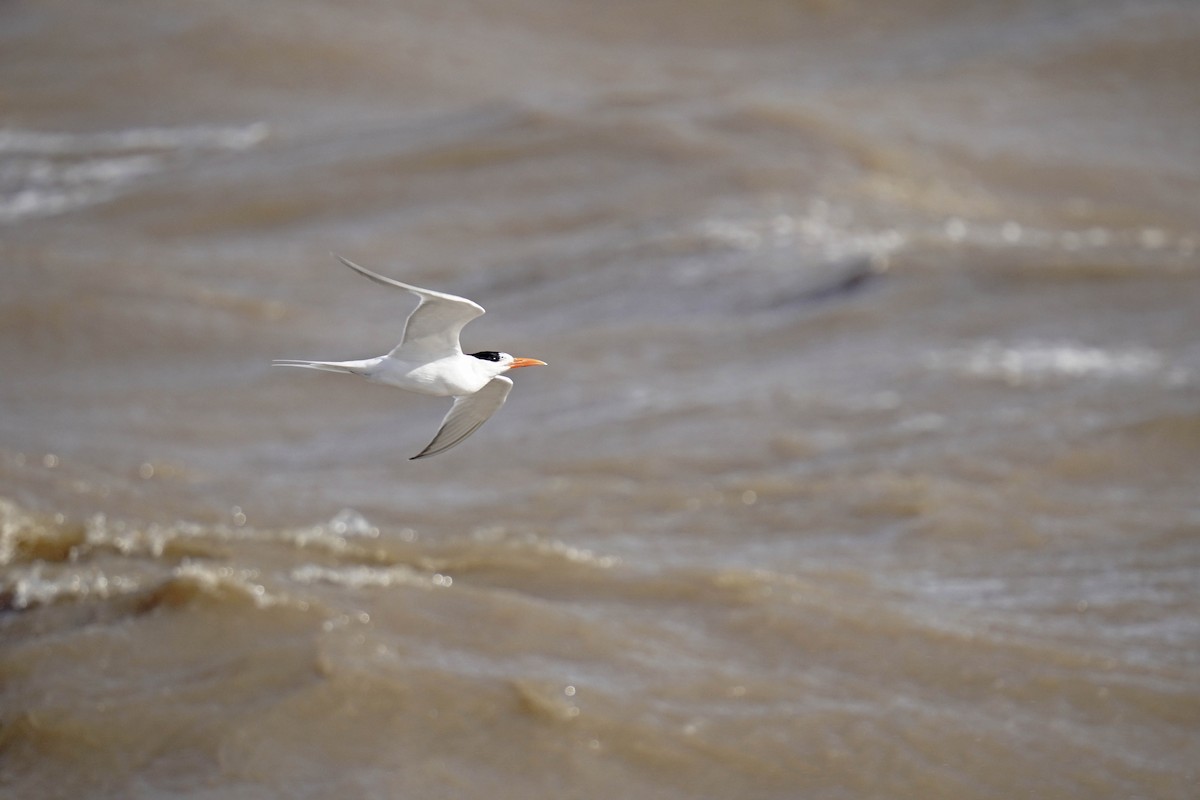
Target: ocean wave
[[45, 173]]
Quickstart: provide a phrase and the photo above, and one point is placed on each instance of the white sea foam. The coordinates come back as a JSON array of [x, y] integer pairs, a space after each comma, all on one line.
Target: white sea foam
[[821, 227], [240, 581], [1033, 362], [202, 137], [46, 173], [39, 584], [358, 577]]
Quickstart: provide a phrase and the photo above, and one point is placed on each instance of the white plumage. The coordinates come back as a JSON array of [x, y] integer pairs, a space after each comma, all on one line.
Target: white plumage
[[430, 360]]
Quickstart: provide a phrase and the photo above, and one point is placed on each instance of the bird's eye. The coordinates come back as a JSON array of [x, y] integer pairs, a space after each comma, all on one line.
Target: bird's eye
[[487, 355]]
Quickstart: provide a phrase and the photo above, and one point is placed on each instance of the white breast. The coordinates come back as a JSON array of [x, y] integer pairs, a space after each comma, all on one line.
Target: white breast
[[452, 376]]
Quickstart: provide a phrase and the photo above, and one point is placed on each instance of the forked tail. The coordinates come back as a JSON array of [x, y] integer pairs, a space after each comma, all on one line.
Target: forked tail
[[350, 367]]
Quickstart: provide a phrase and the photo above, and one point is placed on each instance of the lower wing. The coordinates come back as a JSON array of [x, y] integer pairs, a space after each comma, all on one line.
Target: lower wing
[[467, 414]]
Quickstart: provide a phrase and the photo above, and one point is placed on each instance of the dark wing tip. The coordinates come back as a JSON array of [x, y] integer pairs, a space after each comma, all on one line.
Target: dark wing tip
[[352, 265]]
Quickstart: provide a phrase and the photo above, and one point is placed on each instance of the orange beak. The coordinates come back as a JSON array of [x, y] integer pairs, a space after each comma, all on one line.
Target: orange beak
[[526, 362]]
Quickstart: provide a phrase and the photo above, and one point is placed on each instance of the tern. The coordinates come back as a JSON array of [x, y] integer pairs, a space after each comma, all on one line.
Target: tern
[[430, 360]]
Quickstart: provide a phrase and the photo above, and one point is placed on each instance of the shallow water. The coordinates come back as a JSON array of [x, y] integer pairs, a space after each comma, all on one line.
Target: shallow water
[[865, 464]]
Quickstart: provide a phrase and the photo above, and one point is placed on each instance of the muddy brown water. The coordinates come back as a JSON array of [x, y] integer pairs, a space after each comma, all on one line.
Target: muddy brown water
[[867, 463]]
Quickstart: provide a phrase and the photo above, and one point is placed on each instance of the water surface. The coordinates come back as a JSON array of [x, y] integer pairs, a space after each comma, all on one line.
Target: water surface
[[866, 464]]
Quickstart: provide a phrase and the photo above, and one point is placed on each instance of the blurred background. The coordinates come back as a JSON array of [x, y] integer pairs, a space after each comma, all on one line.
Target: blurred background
[[867, 463]]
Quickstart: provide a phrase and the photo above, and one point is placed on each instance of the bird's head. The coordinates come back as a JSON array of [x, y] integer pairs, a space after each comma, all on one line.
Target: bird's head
[[502, 362]]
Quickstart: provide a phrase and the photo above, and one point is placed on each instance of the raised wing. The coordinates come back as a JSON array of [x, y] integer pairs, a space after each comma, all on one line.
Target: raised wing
[[467, 414], [433, 327]]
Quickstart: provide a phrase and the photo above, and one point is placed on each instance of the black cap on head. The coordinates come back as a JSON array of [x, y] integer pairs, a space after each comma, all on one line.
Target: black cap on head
[[487, 355]]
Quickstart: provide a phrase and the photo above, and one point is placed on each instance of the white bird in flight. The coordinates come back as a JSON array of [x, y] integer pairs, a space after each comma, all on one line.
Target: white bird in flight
[[430, 360]]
